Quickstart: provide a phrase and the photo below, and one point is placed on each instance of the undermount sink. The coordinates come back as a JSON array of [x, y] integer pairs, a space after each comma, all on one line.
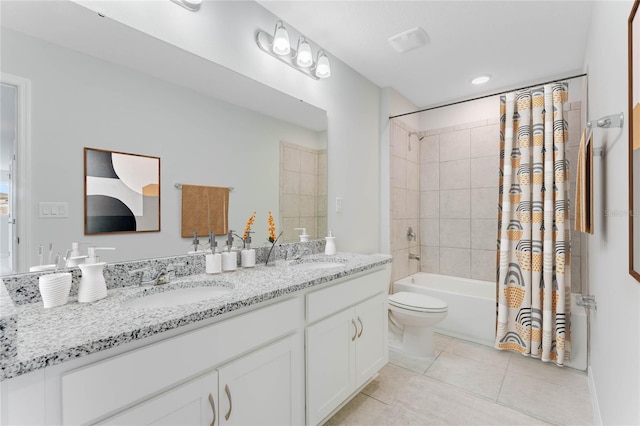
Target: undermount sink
[[179, 296], [318, 265]]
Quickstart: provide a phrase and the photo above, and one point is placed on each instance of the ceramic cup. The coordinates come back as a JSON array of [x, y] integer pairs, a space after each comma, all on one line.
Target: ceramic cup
[[55, 288]]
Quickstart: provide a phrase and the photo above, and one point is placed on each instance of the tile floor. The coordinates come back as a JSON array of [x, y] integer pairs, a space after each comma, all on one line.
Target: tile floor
[[469, 384]]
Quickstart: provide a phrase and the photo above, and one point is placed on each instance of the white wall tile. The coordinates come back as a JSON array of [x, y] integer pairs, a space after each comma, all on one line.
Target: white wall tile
[[307, 184], [291, 205], [575, 127], [484, 203], [430, 149], [485, 141], [308, 162], [413, 176], [413, 204], [455, 204], [455, 233], [398, 203], [430, 259], [291, 159], [485, 172], [484, 233], [455, 174], [398, 172], [430, 232], [455, 145], [291, 182], [430, 177], [440, 130], [430, 204], [307, 205], [399, 142], [483, 265], [455, 262], [472, 124]]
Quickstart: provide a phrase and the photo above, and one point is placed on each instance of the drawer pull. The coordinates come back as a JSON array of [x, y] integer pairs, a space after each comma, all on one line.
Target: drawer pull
[[355, 331], [361, 327], [226, 389], [213, 408]]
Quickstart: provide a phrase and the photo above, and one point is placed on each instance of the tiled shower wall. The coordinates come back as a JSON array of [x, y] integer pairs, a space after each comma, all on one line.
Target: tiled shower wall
[[459, 198], [303, 191], [405, 199]]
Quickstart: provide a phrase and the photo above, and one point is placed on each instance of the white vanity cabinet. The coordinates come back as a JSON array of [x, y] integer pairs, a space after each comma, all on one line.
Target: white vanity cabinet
[[254, 389], [348, 347]]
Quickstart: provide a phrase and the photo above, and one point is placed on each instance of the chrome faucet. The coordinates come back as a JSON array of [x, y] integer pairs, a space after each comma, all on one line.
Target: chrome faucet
[[414, 256], [162, 276]]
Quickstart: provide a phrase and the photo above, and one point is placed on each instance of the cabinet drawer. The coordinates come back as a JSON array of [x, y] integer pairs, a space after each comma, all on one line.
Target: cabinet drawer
[[340, 296], [105, 387]]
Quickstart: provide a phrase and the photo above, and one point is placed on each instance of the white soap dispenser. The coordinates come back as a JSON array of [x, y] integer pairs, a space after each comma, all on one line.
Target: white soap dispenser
[[213, 259], [248, 255], [304, 237], [92, 284], [229, 257], [74, 256], [330, 246]]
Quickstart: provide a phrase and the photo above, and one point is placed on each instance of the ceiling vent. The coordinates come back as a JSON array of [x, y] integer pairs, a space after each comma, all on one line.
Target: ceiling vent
[[409, 40]]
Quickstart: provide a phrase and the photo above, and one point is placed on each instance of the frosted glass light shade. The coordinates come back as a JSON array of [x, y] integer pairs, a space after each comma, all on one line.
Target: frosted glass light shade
[[281, 45], [304, 56], [323, 69]]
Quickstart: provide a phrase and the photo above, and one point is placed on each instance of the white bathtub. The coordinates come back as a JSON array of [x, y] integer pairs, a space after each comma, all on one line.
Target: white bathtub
[[472, 311]]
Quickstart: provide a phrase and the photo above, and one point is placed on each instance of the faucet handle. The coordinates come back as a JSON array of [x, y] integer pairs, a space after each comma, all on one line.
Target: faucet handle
[[146, 277]]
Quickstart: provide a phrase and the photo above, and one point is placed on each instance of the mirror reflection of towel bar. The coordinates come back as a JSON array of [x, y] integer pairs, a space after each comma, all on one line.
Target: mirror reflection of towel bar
[[179, 186], [608, 121]]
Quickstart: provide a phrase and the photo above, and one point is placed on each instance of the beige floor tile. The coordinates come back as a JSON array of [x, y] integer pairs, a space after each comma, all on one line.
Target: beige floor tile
[[410, 362], [547, 371], [426, 401], [440, 341], [555, 403], [478, 377], [478, 352], [366, 411], [389, 382]]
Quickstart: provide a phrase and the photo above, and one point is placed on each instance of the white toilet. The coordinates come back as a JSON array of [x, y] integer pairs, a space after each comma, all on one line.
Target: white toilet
[[412, 319]]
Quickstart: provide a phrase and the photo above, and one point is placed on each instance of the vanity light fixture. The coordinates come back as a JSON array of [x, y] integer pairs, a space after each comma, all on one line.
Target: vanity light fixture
[[481, 79], [192, 5], [300, 58]]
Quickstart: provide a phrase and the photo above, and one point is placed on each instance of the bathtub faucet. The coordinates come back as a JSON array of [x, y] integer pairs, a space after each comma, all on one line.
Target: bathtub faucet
[[414, 256]]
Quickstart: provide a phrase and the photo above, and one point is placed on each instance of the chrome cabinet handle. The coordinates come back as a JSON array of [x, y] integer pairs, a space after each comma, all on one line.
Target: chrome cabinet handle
[[213, 408], [228, 392], [355, 332], [361, 327]]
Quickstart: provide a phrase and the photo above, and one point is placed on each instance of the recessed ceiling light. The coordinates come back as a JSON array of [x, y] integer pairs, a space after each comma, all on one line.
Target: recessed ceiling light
[[481, 79], [409, 40]]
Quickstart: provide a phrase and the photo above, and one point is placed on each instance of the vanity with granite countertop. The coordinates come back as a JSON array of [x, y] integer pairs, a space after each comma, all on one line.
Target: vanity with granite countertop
[[287, 343]]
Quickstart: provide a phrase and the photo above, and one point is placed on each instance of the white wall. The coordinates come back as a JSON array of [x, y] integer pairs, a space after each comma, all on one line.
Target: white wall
[[615, 339], [79, 101], [224, 32]]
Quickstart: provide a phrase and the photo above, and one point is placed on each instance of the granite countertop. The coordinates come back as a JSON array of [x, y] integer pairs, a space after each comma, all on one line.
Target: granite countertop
[[48, 337]]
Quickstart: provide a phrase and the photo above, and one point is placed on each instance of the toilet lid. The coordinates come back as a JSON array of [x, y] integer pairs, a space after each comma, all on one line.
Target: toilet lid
[[417, 302]]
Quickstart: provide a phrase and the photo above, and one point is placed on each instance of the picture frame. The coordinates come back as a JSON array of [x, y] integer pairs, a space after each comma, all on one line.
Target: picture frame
[[634, 141], [121, 192]]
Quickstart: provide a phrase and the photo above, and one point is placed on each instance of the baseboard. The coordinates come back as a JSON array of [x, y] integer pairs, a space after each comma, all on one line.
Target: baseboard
[[597, 418]]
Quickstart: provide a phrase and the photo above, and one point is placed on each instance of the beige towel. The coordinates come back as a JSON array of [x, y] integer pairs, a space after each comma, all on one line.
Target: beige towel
[[204, 209], [584, 185]]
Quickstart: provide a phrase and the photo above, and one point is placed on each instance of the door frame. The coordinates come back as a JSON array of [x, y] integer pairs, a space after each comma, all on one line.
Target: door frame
[[24, 214]]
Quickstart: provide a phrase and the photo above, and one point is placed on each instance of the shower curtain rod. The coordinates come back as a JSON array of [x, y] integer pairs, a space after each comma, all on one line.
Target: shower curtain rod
[[490, 95]]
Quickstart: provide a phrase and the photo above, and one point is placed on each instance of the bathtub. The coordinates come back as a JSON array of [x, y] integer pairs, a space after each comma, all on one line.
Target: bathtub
[[472, 311]]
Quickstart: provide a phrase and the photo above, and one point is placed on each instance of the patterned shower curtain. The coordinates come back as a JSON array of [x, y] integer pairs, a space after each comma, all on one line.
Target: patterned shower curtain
[[533, 288]]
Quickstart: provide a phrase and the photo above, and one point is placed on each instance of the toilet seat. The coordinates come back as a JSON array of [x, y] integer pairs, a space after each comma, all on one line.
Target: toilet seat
[[417, 302]]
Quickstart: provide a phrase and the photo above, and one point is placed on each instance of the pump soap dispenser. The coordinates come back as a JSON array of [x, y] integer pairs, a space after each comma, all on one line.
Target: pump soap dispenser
[[248, 255], [229, 257], [330, 246], [92, 284], [304, 237], [213, 259]]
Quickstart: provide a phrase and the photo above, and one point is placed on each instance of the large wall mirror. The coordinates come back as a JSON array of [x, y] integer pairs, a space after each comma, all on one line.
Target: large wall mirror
[[634, 142], [97, 83]]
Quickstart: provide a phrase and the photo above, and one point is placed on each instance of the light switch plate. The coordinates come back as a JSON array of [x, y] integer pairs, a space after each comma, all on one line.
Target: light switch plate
[[53, 209]]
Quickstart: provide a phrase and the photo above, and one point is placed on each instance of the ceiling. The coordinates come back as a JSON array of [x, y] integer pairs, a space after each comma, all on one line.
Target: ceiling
[[517, 42]]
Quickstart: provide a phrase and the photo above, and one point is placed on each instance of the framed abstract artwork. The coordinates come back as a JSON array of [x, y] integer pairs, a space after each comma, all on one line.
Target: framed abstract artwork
[[121, 192], [634, 141]]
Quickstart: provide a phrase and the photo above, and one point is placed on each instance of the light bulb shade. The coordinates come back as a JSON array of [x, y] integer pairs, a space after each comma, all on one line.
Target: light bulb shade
[[323, 69], [281, 45], [304, 57]]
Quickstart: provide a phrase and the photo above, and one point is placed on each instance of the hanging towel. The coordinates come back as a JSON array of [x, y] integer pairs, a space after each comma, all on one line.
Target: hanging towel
[[204, 209], [584, 185]]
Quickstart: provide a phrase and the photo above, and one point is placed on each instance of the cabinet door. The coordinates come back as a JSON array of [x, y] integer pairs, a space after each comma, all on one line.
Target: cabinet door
[[371, 344], [257, 388], [330, 356], [194, 403]]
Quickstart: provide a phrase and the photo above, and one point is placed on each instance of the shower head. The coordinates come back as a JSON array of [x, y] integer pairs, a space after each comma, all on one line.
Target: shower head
[[417, 134]]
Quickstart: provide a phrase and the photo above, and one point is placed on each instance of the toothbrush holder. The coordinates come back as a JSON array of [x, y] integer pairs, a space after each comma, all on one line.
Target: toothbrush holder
[[54, 289]]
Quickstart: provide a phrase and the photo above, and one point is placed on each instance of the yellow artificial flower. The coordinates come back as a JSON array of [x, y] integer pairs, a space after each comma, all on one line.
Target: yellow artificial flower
[[271, 228], [247, 227]]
